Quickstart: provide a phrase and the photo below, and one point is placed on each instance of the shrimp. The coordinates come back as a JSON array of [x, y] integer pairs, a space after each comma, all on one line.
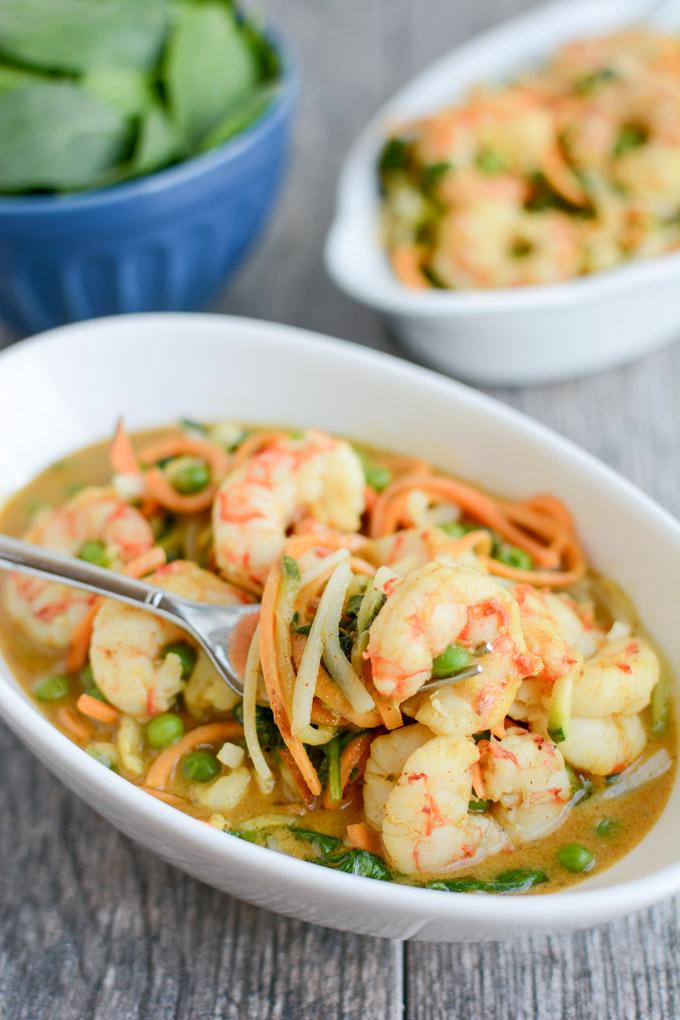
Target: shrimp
[[622, 55], [315, 475], [384, 766], [49, 613], [507, 133], [433, 607], [617, 680], [556, 633], [128, 653], [602, 746], [410, 548], [494, 244], [613, 686], [525, 775], [543, 633], [427, 827]]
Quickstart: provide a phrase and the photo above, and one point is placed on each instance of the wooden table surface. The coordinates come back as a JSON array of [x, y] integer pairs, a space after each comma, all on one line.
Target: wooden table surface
[[92, 926]]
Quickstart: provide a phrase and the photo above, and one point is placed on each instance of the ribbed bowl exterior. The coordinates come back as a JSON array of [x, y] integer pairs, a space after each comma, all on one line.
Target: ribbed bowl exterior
[[169, 241]]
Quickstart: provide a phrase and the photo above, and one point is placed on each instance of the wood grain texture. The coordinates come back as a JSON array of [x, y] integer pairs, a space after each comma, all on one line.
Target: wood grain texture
[[93, 927]]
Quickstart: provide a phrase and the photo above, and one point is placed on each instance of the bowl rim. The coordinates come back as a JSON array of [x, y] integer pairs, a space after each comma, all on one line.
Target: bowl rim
[[289, 83], [386, 293], [580, 907]]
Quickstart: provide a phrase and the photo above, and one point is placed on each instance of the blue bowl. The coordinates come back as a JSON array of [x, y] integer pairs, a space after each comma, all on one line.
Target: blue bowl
[[168, 241]]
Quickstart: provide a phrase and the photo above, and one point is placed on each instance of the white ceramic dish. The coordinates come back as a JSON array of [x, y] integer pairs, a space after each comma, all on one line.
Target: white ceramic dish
[[153, 369], [507, 337]]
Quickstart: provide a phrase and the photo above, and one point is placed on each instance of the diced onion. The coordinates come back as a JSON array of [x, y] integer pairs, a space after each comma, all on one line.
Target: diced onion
[[128, 486], [231, 755], [443, 513]]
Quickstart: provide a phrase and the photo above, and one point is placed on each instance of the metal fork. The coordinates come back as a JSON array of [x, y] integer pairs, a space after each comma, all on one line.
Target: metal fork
[[219, 630]]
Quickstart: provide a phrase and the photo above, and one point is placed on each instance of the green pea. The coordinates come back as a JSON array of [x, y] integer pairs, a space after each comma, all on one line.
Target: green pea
[[512, 556], [186, 654], [607, 827], [451, 661], [86, 676], [377, 477], [94, 551], [631, 136], [454, 529], [164, 729], [188, 475], [490, 162], [52, 688], [576, 858], [200, 766], [477, 806]]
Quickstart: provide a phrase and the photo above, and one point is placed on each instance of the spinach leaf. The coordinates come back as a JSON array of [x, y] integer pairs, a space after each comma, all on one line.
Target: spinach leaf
[[360, 862], [127, 89], [56, 136], [242, 116], [158, 143], [14, 78], [322, 843], [334, 854], [208, 68], [267, 730], [517, 880], [75, 35]]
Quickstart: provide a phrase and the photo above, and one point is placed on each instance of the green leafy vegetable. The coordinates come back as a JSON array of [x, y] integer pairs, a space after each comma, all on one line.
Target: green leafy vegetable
[[14, 78], [209, 68], [490, 162], [589, 83], [127, 89], [76, 35], [239, 119], [158, 144], [394, 156], [95, 92], [334, 854], [56, 136], [322, 843], [360, 862], [631, 136], [267, 730], [517, 880]]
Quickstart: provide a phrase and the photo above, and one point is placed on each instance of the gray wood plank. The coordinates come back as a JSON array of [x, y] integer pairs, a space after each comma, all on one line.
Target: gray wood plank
[[92, 926]]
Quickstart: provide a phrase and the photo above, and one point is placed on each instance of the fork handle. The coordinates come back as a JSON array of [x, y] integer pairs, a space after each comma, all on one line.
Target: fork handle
[[38, 562]]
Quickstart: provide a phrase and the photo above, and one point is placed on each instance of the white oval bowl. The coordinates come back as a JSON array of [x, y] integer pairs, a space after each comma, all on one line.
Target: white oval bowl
[[66, 388], [517, 336]]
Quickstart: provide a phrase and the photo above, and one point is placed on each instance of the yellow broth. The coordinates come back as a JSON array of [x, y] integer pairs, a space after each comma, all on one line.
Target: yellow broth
[[632, 814]]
